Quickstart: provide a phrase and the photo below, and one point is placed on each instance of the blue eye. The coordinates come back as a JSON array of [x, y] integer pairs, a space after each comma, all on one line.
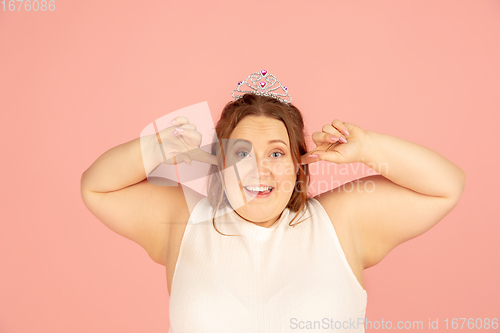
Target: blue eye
[[245, 154], [278, 152], [242, 152]]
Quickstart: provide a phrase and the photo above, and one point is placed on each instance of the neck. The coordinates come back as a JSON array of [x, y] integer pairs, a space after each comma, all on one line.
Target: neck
[[266, 224]]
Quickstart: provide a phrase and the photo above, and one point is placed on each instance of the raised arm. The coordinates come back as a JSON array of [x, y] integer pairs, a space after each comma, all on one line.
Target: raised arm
[[116, 190], [416, 188]]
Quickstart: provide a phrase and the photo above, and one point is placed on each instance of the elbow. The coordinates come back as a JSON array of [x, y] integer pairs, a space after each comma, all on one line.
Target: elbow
[[461, 182], [83, 187], [84, 183], [462, 179], [458, 186]]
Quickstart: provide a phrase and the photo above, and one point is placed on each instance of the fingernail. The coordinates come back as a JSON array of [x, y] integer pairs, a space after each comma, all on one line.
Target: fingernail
[[173, 133], [313, 155], [345, 131], [178, 129], [343, 140], [172, 122], [334, 138]]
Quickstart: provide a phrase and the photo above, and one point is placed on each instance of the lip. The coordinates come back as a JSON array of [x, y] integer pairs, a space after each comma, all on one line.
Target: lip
[[259, 185], [258, 196]]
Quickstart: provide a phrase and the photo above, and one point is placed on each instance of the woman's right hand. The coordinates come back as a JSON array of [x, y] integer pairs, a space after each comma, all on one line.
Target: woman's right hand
[[181, 143]]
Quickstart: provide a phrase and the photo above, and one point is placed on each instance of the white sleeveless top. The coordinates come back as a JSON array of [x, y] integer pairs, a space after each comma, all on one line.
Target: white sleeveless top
[[276, 279]]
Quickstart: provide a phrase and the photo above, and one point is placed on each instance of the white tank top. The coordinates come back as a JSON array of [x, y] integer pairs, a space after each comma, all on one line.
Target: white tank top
[[276, 279]]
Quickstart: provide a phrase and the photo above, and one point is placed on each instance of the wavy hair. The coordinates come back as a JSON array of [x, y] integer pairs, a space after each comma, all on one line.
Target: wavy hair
[[254, 105]]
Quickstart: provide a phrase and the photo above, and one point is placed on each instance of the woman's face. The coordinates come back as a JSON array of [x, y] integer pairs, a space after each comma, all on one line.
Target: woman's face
[[258, 152]]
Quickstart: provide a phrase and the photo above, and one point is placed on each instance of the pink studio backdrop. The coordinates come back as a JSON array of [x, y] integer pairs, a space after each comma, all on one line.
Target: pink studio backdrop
[[90, 75]]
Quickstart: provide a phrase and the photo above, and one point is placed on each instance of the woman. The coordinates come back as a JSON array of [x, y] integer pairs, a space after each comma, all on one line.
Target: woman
[[299, 263]]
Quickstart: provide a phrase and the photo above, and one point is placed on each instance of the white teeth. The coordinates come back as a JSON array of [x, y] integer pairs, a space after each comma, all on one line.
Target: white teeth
[[258, 189]]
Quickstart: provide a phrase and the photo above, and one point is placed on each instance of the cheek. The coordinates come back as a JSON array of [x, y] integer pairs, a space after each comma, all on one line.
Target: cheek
[[285, 175], [247, 170], [230, 184], [232, 188], [283, 169]]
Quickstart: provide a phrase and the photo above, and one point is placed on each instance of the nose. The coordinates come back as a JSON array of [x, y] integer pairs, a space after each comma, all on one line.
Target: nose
[[263, 166]]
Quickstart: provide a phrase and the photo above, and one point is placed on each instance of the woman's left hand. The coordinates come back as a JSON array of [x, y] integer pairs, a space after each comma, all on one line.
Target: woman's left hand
[[339, 142]]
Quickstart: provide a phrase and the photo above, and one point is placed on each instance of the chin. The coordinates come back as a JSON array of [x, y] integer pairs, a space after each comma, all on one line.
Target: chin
[[257, 209], [251, 214]]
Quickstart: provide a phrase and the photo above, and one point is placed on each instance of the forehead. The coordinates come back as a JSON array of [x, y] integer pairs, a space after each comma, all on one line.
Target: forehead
[[260, 129]]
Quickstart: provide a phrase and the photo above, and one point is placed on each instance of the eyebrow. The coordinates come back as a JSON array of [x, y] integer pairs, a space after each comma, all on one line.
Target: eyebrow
[[269, 142], [277, 140]]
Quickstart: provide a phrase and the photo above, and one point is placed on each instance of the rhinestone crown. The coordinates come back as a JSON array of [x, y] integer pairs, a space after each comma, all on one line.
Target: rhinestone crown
[[262, 88]]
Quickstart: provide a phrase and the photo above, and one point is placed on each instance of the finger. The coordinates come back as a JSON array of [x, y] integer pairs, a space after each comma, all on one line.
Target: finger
[[186, 126], [182, 158], [190, 137], [322, 137], [322, 147], [329, 129], [331, 156], [177, 158], [308, 158], [171, 128], [340, 126], [182, 129], [202, 156], [179, 121]]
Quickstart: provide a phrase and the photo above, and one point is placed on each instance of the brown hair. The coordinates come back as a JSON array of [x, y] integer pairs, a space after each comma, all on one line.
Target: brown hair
[[232, 114]]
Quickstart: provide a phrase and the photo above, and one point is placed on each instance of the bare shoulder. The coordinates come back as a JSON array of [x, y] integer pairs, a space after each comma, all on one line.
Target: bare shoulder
[[339, 205], [176, 221]]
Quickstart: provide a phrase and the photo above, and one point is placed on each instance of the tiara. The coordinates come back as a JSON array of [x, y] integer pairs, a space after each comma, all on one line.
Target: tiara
[[262, 88]]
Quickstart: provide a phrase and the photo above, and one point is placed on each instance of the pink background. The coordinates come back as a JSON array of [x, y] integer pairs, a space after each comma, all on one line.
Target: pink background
[[92, 74]]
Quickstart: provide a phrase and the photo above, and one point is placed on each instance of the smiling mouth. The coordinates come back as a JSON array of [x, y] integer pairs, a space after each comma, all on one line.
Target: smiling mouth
[[259, 189]]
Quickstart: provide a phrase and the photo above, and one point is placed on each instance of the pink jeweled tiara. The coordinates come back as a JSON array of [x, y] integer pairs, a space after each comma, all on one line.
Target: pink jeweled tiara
[[263, 88]]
